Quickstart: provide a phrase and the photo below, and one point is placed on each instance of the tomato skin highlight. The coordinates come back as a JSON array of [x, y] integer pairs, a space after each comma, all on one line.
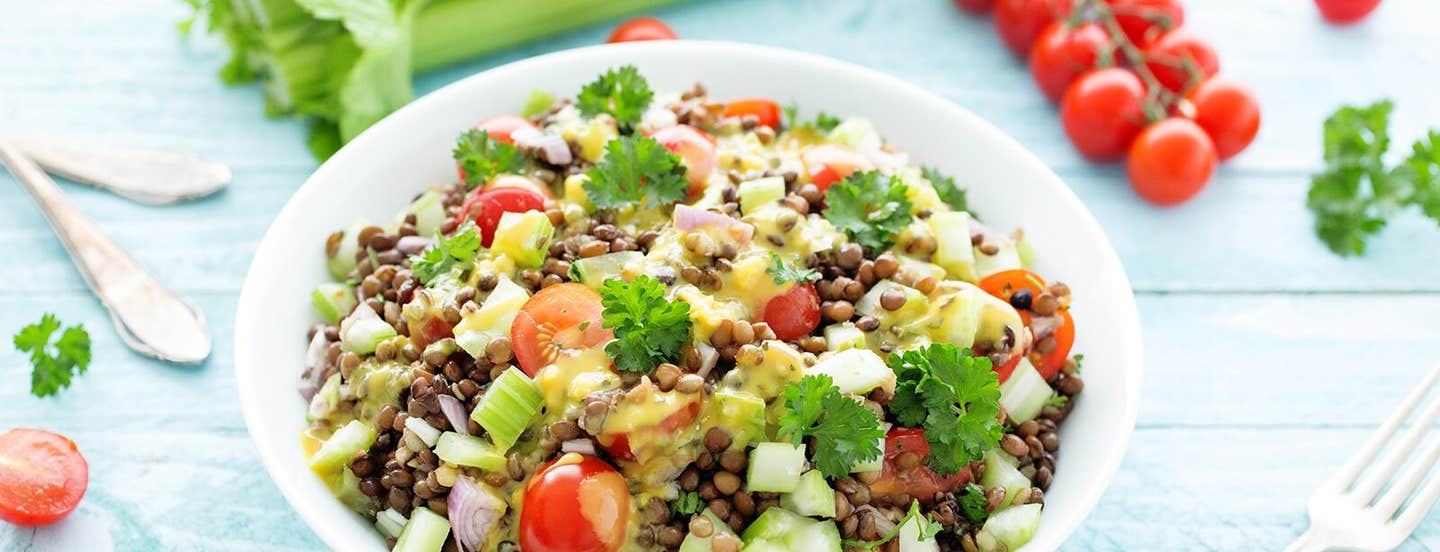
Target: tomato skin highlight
[[1169, 51], [695, 148], [1345, 12], [795, 313], [1229, 113], [1019, 22], [563, 500], [549, 324], [765, 111], [1131, 15], [1102, 112], [829, 163], [42, 477], [486, 206], [641, 29], [1062, 53], [1171, 161], [920, 482]]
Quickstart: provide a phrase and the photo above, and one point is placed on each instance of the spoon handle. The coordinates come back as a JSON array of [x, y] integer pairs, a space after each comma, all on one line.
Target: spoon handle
[[150, 318], [153, 177]]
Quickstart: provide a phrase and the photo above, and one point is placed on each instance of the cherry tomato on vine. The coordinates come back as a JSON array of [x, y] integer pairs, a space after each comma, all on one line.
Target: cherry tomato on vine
[[1019, 22], [975, 6], [1143, 21], [1168, 54], [1229, 113], [576, 503], [793, 314], [642, 28], [1345, 12], [42, 477], [1063, 52], [767, 112], [1102, 112], [1170, 161], [486, 206]]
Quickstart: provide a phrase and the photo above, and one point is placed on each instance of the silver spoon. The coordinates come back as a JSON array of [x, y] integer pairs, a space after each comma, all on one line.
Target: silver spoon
[[152, 177], [150, 318]]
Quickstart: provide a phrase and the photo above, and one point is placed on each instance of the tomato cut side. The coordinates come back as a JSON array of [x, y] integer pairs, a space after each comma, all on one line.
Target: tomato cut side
[[695, 148], [1005, 283], [828, 164], [557, 320], [575, 503], [1064, 341], [42, 477], [486, 206], [765, 111], [517, 181], [793, 314], [920, 482]]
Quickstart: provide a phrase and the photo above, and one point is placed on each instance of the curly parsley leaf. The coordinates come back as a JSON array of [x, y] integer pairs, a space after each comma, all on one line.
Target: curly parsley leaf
[[688, 503], [783, 273], [972, 503], [823, 122], [649, 329], [945, 187], [622, 93], [481, 157], [928, 529], [869, 207], [954, 396], [53, 364], [845, 432], [448, 253], [636, 169]]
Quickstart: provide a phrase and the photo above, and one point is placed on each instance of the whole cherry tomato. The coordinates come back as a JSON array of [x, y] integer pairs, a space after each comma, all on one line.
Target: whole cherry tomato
[[1345, 12], [1143, 21], [556, 320], [486, 206], [975, 6], [1167, 58], [765, 111], [1228, 112], [1063, 52], [576, 503], [1171, 161], [642, 28], [42, 477], [1102, 112], [1019, 22], [695, 148], [793, 314]]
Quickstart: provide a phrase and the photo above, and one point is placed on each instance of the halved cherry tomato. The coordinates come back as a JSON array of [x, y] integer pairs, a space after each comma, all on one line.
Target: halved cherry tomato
[[920, 482], [576, 503], [500, 127], [1229, 113], [1171, 161], [793, 314], [1345, 12], [1063, 52], [1005, 283], [485, 207], [1168, 56], [642, 28], [695, 148], [829, 163], [517, 181], [619, 445], [558, 319], [1143, 21], [1102, 112], [766, 111], [1051, 362], [1019, 22], [42, 477], [975, 6]]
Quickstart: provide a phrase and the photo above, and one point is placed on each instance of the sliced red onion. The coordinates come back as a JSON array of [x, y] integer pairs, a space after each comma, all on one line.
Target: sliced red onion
[[550, 147], [411, 245], [455, 413], [310, 379], [474, 511], [1043, 326], [689, 218], [582, 446]]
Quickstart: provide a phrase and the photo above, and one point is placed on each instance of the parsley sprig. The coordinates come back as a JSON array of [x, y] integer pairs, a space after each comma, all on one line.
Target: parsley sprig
[[928, 529], [649, 329], [481, 157], [458, 250], [972, 503], [623, 93], [845, 432], [945, 187], [782, 273], [823, 122], [688, 503], [954, 396], [636, 169], [53, 364], [870, 207]]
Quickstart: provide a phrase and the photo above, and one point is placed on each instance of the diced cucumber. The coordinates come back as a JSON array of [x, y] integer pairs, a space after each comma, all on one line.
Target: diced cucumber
[[425, 532], [342, 446], [910, 541], [333, 300], [1026, 252], [325, 400], [775, 467], [1006, 258], [811, 497], [822, 536], [429, 211], [539, 101], [874, 464], [858, 133], [741, 412], [952, 244], [466, 450], [363, 330], [767, 546], [493, 318], [959, 313], [524, 237], [1025, 393], [343, 262], [918, 269], [855, 371], [390, 522], [774, 525], [693, 543], [842, 336], [761, 191], [1013, 526], [999, 472], [914, 307], [575, 192], [594, 271], [505, 410]]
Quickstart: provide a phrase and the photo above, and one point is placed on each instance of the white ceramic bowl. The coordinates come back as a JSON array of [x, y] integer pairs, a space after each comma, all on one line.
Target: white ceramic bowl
[[377, 173]]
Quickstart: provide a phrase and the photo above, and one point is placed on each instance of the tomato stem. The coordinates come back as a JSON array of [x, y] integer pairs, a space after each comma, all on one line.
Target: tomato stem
[[1157, 97]]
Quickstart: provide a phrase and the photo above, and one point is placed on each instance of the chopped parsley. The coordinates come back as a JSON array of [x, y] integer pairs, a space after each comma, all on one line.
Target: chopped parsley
[[869, 207], [55, 363], [448, 253], [481, 157], [782, 273], [945, 187], [928, 529], [1079, 362], [954, 396], [622, 93], [972, 503], [636, 169], [1057, 401], [688, 503], [845, 432], [823, 122], [649, 329]]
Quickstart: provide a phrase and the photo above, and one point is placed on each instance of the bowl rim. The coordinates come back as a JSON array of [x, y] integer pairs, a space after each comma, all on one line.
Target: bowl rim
[[247, 313]]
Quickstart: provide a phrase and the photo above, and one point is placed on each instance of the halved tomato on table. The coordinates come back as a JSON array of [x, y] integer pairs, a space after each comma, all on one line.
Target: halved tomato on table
[[42, 477], [920, 481], [557, 320], [576, 503]]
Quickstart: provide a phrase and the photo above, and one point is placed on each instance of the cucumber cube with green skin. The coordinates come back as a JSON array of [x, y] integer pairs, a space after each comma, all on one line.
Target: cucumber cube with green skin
[[343, 261], [1025, 393], [429, 211], [959, 314], [694, 543], [740, 411], [425, 532], [1006, 257], [775, 467], [1013, 526], [342, 446], [493, 318], [333, 301], [842, 336], [910, 541], [812, 496], [856, 371], [913, 309], [999, 472], [761, 191], [524, 237], [953, 251], [774, 525], [594, 271]]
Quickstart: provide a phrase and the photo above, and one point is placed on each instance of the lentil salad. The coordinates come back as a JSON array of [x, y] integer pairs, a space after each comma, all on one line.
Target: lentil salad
[[606, 333]]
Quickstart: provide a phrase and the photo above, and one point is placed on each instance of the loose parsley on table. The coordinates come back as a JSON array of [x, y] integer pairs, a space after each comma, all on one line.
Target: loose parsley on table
[[845, 432], [782, 273], [53, 364], [870, 207], [623, 93], [636, 169], [945, 187], [458, 250], [954, 396], [649, 329], [481, 157]]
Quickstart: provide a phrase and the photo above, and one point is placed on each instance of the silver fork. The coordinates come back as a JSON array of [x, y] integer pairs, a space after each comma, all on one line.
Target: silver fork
[[1341, 514]]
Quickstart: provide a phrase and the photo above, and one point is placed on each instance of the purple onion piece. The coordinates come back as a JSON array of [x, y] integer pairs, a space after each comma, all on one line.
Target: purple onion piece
[[310, 379], [473, 512], [582, 446], [455, 413]]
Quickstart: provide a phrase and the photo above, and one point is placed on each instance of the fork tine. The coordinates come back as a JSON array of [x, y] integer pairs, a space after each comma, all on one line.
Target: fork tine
[[1414, 473], [1347, 474], [1415, 512], [1370, 485]]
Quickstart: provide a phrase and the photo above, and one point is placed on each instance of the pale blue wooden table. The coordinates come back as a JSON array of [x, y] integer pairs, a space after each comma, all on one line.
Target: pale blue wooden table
[[1267, 358]]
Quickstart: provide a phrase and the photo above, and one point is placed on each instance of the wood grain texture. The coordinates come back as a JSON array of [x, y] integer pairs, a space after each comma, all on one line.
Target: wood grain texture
[[1267, 358]]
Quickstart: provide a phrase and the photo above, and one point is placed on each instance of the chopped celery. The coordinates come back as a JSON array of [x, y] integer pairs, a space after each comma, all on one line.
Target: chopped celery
[[333, 300], [492, 319], [324, 401], [429, 211], [856, 371], [465, 450], [812, 496], [425, 532], [342, 445], [1013, 526], [363, 330], [1025, 393], [775, 467], [999, 473], [505, 410]]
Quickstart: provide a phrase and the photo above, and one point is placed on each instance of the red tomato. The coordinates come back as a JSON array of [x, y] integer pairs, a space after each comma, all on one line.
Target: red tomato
[[1064, 340], [1228, 112], [1005, 283], [1168, 54], [619, 445], [550, 323], [1345, 12], [920, 482], [1019, 22], [642, 28], [696, 148], [1143, 21], [1102, 112], [517, 181], [829, 163], [42, 477], [975, 6], [502, 126], [793, 314], [576, 503], [1170, 161], [485, 207], [1063, 52], [768, 112]]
